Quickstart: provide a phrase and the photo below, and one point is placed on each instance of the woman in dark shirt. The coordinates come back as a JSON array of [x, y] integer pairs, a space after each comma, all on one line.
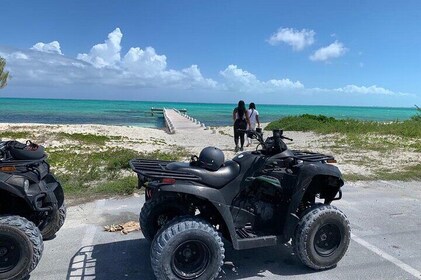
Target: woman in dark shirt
[[241, 120]]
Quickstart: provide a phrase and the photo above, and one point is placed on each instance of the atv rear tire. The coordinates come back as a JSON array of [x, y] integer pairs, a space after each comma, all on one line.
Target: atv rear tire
[[187, 248], [55, 223], [156, 212], [21, 247], [322, 237]]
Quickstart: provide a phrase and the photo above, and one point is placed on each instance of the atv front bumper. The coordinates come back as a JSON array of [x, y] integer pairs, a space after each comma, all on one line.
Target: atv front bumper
[[46, 195]]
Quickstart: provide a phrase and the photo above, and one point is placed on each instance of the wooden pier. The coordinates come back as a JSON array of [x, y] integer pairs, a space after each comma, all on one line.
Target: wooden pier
[[160, 111], [176, 121]]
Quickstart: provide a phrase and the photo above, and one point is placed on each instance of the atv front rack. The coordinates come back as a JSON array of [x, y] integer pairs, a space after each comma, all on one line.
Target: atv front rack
[[156, 169], [21, 162], [311, 157], [38, 168]]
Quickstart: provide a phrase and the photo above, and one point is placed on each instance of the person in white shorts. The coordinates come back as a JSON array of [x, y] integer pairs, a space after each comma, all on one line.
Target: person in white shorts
[[254, 119]]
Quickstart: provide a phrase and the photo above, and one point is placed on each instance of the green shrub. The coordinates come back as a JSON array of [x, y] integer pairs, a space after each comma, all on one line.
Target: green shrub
[[16, 135], [84, 138], [325, 125], [100, 171]]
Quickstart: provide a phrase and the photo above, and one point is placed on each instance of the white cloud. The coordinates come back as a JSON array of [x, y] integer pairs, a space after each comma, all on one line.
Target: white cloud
[[298, 40], [356, 90], [241, 80], [145, 63], [52, 47], [19, 55], [195, 78], [106, 54], [366, 90], [147, 69], [334, 50], [104, 65]]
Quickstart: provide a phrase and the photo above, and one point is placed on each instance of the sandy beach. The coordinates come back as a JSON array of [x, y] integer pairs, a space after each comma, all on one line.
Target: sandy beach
[[350, 161]]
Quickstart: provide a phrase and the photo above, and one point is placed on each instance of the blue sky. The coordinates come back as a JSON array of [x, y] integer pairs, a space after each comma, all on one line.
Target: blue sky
[[288, 52]]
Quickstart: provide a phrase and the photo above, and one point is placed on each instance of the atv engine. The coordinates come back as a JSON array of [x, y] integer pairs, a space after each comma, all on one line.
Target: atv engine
[[263, 197]]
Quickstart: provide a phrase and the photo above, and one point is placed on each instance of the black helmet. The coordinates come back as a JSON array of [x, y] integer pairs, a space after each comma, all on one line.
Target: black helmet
[[211, 158]]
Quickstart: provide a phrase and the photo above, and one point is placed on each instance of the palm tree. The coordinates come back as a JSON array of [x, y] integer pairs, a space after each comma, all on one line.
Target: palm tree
[[4, 75]]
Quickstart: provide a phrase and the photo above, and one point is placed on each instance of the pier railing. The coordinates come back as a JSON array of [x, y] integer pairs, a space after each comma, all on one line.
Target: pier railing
[[168, 122]]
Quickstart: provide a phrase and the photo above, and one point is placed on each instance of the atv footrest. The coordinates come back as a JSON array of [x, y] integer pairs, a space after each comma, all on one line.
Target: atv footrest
[[245, 232], [247, 239], [257, 242]]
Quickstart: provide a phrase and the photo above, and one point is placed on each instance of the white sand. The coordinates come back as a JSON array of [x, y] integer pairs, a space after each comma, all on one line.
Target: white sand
[[194, 140]]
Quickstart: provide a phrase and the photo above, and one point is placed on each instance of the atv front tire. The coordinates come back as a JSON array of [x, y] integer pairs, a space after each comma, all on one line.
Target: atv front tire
[[322, 237], [187, 248], [156, 212], [55, 223], [21, 247]]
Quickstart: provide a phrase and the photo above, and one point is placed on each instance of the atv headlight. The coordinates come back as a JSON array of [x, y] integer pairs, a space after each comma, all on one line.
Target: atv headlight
[[26, 185], [19, 181]]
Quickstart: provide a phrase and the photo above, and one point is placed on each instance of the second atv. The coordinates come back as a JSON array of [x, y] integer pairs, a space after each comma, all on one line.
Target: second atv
[[261, 198], [31, 207]]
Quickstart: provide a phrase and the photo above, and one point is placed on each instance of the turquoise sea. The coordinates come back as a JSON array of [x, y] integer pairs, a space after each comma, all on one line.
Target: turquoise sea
[[138, 113]]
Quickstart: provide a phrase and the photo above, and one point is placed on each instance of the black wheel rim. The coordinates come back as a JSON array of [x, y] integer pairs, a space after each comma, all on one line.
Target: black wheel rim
[[10, 252], [190, 259], [327, 240]]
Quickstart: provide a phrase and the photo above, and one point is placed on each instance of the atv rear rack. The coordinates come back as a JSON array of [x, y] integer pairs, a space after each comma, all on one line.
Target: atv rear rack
[[156, 169], [311, 157]]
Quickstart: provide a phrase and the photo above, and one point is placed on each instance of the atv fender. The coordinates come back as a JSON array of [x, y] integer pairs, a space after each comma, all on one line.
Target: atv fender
[[11, 189], [305, 177], [214, 196]]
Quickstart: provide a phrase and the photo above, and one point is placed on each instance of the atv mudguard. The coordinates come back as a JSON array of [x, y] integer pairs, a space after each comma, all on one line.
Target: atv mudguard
[[50, 190], [306, 175], [214, 196]]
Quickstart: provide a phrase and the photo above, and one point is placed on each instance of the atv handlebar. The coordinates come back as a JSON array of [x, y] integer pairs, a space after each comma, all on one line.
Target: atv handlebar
[[272, 144]]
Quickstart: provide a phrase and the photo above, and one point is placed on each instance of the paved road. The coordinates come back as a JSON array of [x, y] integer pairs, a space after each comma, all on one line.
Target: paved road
[[385, 219]]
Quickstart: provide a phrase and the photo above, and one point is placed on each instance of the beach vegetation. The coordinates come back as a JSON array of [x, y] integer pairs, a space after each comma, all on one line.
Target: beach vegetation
[[417, 117], [4, 75], [84, 138], [15, 134], [328, 125], [406, 173], [353, 177], [378, 146], [100, 171]]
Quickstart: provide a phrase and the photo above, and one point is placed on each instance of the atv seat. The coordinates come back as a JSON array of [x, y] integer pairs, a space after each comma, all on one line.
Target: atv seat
[[216, 179]]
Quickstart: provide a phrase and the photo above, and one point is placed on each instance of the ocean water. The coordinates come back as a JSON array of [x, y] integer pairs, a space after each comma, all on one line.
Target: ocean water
[[138, 113]]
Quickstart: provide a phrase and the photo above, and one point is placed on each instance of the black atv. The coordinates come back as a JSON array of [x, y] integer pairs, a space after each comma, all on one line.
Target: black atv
[[261, 198], [31, 207]]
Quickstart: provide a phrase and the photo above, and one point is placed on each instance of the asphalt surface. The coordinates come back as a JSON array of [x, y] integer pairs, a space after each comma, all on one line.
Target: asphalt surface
[[386, 243]]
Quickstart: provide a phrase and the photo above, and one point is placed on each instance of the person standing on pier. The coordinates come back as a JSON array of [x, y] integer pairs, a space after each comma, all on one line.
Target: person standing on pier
[[253, 115], [241, 120]]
